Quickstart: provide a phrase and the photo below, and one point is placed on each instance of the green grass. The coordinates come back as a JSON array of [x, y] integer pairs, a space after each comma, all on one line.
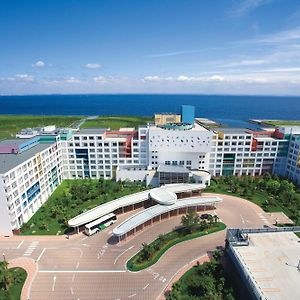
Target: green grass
[[282, 122], [70, 199], [14, 293], [115, 122], [173, 239], [12, 124]]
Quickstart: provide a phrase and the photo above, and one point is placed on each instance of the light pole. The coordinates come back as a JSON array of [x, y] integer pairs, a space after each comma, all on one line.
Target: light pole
[[3, 256]]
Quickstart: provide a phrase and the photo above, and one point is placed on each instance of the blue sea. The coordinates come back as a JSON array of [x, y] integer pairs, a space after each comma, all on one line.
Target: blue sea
[[230, 110]]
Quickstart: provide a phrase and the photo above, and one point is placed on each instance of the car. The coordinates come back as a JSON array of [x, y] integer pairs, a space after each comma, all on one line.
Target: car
[[205, 216]]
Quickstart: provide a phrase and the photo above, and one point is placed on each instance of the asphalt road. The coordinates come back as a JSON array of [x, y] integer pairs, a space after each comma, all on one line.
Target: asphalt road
[[82, 268]]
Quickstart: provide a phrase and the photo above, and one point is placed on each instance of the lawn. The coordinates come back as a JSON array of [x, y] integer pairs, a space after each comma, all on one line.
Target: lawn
[[18, 276], [71, 198], [282, 122], [115, 122], [164, 242], [271, 193], [12, 124]]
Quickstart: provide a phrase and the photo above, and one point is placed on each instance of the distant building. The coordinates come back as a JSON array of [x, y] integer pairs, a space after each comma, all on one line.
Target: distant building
[[162, 119]]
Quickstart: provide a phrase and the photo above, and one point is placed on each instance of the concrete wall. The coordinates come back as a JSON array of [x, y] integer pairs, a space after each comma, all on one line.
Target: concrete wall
[[5, 226]]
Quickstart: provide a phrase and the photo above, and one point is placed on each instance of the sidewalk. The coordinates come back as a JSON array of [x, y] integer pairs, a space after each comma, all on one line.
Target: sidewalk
[[200, 260], [30, 266]]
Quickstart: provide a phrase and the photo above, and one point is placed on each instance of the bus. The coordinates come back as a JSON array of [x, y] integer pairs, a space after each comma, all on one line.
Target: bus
[[100, 224]]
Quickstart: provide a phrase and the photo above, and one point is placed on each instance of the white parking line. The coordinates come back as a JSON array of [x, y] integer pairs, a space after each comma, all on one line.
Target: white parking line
[[71, 290], [38, 259], [133, 295], [73, 277], [146, 286], [53, 285], [20, 244]]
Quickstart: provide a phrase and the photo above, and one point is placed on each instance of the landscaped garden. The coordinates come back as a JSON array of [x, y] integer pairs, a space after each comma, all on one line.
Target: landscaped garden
[[73, 197], [192, 227], [115, 122], [202, 282], [11, 282], [270, 192]]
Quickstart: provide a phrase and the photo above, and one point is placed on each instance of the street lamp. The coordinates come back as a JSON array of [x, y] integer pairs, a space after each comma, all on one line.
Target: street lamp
[[3, 256]]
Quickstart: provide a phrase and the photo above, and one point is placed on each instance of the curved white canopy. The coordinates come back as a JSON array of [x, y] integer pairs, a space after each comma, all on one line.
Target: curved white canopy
[[154, 211], [106, 208]]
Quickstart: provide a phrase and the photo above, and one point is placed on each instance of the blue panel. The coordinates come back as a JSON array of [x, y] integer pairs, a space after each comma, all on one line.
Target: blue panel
[[187, 114]]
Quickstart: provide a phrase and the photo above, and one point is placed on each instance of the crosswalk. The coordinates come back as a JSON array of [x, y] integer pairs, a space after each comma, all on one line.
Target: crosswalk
[[262, 216], [31, 248]]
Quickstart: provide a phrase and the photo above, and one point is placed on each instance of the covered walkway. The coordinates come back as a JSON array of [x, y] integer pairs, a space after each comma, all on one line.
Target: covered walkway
[[158, 213], [166, 195]]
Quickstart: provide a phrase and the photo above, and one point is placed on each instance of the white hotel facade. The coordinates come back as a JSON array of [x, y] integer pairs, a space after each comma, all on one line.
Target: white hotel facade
[[31, 169]]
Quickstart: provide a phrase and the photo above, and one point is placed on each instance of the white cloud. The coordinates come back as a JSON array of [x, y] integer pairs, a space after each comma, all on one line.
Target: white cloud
[[151, 78], [93, 66], [173, 53], [73, 80], [39, 64], [246, 6], [24, 77], [100, 79]]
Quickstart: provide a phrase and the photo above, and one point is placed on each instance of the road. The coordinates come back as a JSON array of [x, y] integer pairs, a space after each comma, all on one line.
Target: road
[[94, 267]]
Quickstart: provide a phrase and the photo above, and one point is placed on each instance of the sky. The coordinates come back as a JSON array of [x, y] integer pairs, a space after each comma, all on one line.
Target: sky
[[159, 46]]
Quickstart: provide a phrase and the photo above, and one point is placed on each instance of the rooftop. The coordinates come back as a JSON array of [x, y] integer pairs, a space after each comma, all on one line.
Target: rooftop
[[156, 210], [228, 130], [196, 127], [91, 131], [10, 161], [13, 142], [109, 207], [271, 261]]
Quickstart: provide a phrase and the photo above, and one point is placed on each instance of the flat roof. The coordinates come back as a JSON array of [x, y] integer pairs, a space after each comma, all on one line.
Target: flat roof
[[13, 142], [271, 260], [154, 211], [231, 130], [196, 127], [10, 161], [91, 131], [109, 207]]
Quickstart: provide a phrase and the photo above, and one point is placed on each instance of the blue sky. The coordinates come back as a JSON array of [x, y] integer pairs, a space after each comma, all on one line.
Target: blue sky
[[157, 46]]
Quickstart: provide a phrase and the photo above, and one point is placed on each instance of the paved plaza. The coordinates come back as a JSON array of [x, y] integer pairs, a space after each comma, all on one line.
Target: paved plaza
[[82, 268]]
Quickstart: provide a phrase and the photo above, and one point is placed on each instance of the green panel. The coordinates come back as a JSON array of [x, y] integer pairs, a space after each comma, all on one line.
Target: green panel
[[47, 138]]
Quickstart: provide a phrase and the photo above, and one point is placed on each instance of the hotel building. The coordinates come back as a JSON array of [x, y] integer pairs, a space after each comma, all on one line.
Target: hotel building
[[31, 168]]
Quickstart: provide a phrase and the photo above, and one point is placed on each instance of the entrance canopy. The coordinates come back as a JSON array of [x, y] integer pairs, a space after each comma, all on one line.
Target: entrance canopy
[[165, 195], [154, 211]]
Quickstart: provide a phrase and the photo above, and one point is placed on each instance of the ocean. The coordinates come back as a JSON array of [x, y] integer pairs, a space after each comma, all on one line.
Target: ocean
[[230, 110]]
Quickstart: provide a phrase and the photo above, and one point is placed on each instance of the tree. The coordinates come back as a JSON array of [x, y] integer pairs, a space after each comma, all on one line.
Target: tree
[[5, 275], [189, 220], [146, 252]]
